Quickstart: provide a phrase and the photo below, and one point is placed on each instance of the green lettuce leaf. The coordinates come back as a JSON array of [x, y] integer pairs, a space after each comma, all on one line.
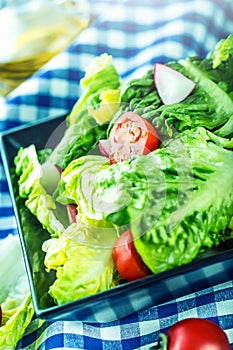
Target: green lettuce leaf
[[105, 105], [210, 104], [198, 218], [38, 201], [42, 205], [222, 52], [77, 184], [207, 106], [78, 140], [15, 297], [100, 74], [28, 168], [140, 96], [177, 200], [88, 121], [82, 258], [220, 100]]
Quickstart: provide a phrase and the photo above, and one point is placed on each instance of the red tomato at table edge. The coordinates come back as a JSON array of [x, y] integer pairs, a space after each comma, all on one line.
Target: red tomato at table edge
[[128, 262], [130, 135], [194, 334]]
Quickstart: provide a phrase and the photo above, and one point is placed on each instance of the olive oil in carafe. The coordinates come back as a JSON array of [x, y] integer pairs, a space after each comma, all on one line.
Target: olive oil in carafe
[[30, 35]]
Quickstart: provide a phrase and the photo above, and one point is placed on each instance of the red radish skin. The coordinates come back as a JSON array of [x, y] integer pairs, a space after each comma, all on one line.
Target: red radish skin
[[59, 168], [0, 316], [72, 212], [172, 86]]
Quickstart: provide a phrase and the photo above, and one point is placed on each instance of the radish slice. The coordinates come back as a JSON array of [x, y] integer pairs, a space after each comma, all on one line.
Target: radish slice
[[72, 212], [104, 147], [172, 86]]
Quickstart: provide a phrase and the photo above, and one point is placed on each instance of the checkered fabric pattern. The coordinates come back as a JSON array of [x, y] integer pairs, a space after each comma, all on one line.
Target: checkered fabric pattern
[[137, 34], [138, 331]]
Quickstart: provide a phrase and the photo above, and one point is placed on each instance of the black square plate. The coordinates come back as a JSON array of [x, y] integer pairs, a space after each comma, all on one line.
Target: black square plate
[[211, 268]]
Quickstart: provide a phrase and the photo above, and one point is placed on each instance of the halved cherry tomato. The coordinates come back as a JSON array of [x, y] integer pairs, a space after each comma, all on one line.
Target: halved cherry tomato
[[0, 316], [128, 262], [131, 135], [196, 334]]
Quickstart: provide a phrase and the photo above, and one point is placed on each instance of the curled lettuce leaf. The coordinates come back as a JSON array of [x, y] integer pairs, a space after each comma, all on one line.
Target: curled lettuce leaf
[[82, 258], [220, 100], [27, 166], [106, 106], [139, 95], [222, 52], [100, 74], [88, 121], [77, 184], [177, 200], [78, 140], [42, 205], [210, 105], [15, 297], [198, 218], [38, 201]]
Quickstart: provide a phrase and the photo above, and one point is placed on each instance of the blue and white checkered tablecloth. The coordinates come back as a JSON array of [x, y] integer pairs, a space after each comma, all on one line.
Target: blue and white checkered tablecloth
[[137, 34]]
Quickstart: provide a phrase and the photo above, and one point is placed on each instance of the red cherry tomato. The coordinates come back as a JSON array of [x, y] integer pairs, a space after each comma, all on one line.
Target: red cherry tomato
[[0, 316], [128, 262], [196, 334], [131, 135]]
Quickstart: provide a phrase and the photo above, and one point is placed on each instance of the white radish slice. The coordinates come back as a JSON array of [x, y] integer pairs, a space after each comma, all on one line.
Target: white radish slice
[[172, 86], [104, 147]]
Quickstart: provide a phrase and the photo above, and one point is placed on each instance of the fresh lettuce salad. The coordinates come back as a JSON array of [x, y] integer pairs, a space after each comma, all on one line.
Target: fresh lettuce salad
[[176, 199], [15, 298]]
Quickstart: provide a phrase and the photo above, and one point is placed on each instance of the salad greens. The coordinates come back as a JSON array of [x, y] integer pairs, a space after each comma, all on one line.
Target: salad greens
[[39, 202], [167, 201], [83, 266], [15, 297], [177, 200], [77, 180], [87, 121], [210, 104], [223, 52]]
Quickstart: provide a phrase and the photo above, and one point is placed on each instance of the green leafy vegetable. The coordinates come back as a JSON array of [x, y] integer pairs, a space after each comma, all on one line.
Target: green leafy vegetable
[[106, 106], [222, 52], [83, 260], [38, 201], [100, 75], [77, 184], [15, 298], [28, 169], [210, 105], [178, 200], [140, 96], [221, 102], [78, 140], [44, 208], [96, 106]]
